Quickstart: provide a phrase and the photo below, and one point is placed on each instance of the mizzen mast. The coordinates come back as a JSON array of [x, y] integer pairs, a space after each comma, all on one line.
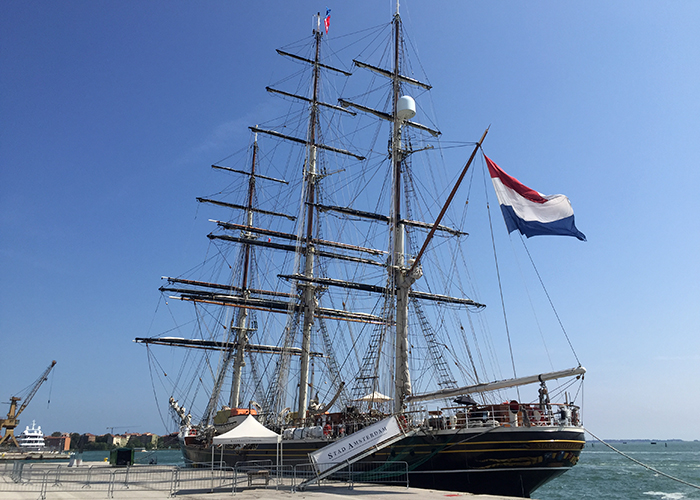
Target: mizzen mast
[[400, 281]]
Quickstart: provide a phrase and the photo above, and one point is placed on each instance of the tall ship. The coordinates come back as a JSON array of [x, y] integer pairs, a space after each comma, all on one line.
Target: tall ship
[[340, 289]]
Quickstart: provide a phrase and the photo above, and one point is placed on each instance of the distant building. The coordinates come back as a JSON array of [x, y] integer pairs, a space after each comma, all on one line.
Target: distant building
[[171, 440], [118, 441], [150, 438], [142, 440], [131, 439], [58, 443]]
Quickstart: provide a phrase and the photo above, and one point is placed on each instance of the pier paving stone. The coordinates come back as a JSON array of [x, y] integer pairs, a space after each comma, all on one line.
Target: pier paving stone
[[322, 493], [9, 491]]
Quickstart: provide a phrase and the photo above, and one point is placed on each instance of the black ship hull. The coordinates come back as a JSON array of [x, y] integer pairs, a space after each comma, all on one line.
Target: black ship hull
[[512, 461]]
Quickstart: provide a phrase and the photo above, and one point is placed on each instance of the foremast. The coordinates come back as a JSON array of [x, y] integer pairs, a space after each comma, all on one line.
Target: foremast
[[242, 321], [239, 321]]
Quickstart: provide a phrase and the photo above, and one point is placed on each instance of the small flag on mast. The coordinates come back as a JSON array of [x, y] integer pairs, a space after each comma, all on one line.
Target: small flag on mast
[[530, 212], [327, 20]]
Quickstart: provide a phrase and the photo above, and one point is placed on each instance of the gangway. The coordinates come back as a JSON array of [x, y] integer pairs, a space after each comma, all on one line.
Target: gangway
[[356, 446]]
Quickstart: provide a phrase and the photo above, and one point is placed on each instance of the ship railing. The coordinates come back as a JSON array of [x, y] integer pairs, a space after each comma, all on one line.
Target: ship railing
[[317, 430], [510, 414], [388, 473]]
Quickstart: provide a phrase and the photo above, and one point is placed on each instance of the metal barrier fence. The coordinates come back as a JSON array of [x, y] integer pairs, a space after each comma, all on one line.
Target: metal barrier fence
[[258, 473], [389, 473], [187, 480], [105, 481], [47, 478]]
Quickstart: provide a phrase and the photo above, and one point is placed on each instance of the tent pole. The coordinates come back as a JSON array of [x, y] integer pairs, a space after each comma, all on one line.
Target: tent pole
[[279, 460], [212, 466]]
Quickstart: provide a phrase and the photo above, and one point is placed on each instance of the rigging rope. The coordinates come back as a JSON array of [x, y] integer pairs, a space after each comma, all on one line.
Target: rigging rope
[[656, 471], [532, 305], [153, 385], [500, 290], [550, 301]]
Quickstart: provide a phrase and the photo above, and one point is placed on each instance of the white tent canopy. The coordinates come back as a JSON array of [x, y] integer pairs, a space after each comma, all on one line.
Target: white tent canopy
[[250, 431], [375, 396]]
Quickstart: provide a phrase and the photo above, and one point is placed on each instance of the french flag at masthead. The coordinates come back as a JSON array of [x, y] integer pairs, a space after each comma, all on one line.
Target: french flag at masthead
[[327, 20], [530, 212]]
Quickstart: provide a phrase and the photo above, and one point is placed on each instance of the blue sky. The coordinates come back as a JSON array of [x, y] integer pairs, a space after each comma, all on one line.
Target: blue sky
[[111, 113]]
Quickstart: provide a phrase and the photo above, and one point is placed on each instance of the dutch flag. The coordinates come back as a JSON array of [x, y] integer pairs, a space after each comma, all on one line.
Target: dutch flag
[[530, 212]]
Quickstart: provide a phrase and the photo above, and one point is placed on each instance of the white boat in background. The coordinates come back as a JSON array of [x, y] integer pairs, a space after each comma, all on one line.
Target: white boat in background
[[32, 438]]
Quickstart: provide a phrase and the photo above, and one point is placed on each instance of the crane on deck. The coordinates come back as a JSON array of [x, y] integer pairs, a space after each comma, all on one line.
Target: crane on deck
[[11, 422]]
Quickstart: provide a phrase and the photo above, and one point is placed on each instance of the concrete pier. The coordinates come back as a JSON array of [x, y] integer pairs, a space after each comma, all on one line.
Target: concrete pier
[[323, 493], [11, 456], [94, 480]]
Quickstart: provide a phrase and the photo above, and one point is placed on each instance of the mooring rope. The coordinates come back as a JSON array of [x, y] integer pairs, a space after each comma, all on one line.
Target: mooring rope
[[643, 464]]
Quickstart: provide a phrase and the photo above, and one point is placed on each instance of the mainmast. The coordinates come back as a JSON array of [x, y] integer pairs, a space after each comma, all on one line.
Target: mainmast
[[305, 242], [309, 304], [304, 306], [402, 285]]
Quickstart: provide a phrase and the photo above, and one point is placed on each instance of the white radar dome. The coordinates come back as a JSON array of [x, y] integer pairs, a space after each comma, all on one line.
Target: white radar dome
[[406, 108]]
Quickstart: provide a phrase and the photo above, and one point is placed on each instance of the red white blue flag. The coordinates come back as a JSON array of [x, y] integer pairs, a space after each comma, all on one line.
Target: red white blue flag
[[530, 212], [327, 20]]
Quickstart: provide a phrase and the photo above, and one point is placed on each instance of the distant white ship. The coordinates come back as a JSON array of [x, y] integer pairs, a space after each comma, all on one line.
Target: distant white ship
[[32, 438]]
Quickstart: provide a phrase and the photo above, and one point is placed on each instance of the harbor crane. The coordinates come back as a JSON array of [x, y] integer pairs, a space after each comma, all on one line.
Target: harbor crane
[[127, 427], [11, 422]]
